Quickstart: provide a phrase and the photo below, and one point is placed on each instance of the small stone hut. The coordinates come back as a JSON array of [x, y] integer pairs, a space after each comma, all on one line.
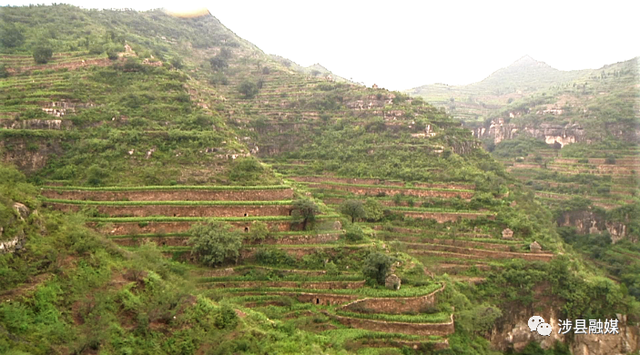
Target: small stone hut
[[507, 234], [535, 247]]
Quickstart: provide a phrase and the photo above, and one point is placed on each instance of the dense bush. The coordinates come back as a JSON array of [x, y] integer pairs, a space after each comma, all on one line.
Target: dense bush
[[42, 53], [215, 242]]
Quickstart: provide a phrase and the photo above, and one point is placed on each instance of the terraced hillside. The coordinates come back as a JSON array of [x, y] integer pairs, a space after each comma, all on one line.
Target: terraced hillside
[[235, 205]]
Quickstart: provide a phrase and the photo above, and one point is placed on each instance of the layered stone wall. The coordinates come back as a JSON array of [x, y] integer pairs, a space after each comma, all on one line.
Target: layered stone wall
[[310, 285], [132, 228], [376, 191], [180, 211], [443, 217], [172, 195], [424, 329], [396, 305]]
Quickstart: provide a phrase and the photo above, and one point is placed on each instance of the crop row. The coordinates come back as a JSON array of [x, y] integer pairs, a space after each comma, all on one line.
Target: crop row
[[290, 277], [365, 292], [198, 219], [404, 318], [169, 203], [385, 186], [166, 187]]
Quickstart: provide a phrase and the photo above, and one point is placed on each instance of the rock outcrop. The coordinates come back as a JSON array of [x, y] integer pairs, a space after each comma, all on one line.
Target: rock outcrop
[[552, 134], [514, 333]]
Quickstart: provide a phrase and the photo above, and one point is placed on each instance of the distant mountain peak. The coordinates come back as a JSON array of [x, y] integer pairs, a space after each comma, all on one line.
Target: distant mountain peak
[[527, 61]]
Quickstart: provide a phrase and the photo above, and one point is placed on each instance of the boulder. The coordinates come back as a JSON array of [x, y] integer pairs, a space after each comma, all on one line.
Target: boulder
[[22, 210], [392, 282]]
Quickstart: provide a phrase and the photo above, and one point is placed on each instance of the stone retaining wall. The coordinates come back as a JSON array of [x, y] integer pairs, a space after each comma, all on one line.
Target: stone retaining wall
[[375, 191], [298, 253], [179, 211], [132, 228], [173, 195], [486, 253], [416, 243], [424, 329], [182, 241], [394, 305], [311, 285], [442, 217], [321, 179]]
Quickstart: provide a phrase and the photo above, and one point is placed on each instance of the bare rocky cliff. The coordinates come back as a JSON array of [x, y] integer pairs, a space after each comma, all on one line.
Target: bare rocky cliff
[[551, 133], [514, 333]]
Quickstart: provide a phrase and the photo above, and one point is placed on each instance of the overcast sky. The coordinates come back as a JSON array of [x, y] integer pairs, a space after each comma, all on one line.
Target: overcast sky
[[402, 44]]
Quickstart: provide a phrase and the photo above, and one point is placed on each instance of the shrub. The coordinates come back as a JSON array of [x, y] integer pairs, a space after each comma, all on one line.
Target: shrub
[[248, 89], [3, 71], [218, 63], [373, 210], [376, 266], [259, 231], [610, 159], [354, 233], [226, 318], [266, 70], [42, 53], [214, 242]]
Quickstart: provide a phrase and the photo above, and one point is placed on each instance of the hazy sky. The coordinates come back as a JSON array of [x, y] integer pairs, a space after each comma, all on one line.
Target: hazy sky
[[403, 44]]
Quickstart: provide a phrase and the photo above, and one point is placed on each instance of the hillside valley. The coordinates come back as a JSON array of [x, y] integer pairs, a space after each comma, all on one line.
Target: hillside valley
[[166, 187]]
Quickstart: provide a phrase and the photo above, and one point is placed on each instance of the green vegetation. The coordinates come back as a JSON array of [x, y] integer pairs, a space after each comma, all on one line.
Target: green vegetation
[[354, 209], [150, 103], [304, 211], [376, 267], [214, 242]]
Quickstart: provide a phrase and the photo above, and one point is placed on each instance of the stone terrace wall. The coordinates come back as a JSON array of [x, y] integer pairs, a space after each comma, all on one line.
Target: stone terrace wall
[[180, 211], [182, 241], [373, 191], [249, 253], [394, 305], [415, 242], [313, 285], [423, 329], [173, 195], [442, 217], [172, 227], [321, 179], [487, 253]]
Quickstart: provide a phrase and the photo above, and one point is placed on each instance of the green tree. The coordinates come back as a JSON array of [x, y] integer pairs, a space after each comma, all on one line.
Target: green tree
[[376, 266], [42, 53], [353, 209], [10, 35], [218, 63], [373, 209], [214, 242], [304, 211], [3, 71], [248, 89]]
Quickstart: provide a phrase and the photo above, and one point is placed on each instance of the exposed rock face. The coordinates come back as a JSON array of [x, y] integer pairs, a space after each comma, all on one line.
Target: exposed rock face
[[35, 124], [512, 331], [22, 210], [550, 133], [590, 222]]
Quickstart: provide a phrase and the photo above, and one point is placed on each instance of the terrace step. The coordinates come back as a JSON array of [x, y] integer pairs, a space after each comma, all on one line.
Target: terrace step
[[173, 193]]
